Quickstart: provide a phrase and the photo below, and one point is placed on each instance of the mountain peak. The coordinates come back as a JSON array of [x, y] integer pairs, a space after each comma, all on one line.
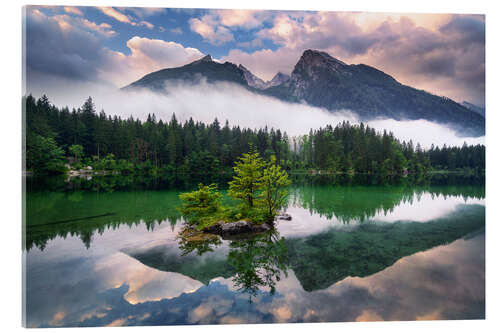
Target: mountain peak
[[314, 64], [278, 79], [315, 57], [206, 58], [243, 68], [280, 74], [252, 80]]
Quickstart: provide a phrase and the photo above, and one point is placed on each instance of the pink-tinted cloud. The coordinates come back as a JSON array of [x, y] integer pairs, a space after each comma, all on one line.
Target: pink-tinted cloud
[[215, 27], [210, 30], [147, 24], [440, 53], [146, 55], [123, 18], [257, 42], [240, 18], [111, 12], [73, 10]]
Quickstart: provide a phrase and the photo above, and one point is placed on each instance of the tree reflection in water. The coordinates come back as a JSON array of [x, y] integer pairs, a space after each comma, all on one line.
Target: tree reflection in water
[[191, 240], [256, 261]]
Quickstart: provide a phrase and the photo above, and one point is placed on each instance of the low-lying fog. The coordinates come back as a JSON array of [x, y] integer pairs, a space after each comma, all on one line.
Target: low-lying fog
[[205, 102]]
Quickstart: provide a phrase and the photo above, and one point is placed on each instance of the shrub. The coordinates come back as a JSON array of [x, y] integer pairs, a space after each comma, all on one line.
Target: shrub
[[201, 207]]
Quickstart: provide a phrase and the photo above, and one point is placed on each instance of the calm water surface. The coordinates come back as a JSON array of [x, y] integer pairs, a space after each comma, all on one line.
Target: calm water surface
[[110, 255]]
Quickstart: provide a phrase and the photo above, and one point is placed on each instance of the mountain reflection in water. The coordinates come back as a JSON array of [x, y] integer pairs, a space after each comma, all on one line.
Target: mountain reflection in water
[[352, 252]]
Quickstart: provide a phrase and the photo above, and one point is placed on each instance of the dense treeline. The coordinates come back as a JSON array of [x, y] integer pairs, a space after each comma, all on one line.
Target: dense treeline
[[352, 148], [84, 137], [465, 157]]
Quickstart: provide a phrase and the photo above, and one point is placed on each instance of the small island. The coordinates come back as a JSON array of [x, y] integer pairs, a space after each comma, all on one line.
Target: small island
[[258, 189]]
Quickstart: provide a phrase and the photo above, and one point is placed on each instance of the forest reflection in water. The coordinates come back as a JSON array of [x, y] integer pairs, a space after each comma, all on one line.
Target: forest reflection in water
[[86, 207], [353, 251]]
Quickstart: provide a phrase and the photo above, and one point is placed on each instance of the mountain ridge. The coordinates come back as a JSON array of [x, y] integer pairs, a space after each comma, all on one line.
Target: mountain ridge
[[321, 80]]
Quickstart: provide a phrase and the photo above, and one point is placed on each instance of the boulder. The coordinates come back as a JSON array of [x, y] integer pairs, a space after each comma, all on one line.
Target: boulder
[[284, 216], [214, 228]]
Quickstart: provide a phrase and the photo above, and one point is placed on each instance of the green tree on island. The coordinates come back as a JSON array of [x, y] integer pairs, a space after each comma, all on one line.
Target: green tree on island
[[247, 181], [261, 189], [274, 182], [201, 207]]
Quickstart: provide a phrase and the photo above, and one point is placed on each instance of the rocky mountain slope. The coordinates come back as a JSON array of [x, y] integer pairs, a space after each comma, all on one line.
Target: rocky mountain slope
[[321, 80]]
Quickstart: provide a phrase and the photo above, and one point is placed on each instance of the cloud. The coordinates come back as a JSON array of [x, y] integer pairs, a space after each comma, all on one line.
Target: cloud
[[147, 55], [54, 53], [266, 63], [257, 42], [246, 19], [225, 101], [111, 12], [215, 26], [103, 28], [143, 12], [73, 10], [210, 31], [466, 28], [123, 18], [147, 24], [177, 31], [443, 54], [54, 44]]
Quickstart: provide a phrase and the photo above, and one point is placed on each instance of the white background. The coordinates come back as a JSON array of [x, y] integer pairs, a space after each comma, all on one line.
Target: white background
[[10, 131]]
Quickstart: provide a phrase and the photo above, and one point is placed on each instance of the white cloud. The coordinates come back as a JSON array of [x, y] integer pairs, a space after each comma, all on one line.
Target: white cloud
[[210, 31], [215, 26], [111, 12], [225, 101], [123, 18], [265, 63], [103, 28], [424, 132], [240, 18], [257, 42], [143, 12], [146, 55]]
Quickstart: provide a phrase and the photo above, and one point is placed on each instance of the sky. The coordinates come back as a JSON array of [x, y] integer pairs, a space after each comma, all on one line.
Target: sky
[[440, 53]]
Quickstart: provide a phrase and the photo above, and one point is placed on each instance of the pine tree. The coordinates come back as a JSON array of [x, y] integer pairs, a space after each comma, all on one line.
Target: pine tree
[[274, 182], [246, 183]]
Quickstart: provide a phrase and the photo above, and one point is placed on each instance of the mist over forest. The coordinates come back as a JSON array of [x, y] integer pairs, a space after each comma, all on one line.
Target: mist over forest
[[225, 101]]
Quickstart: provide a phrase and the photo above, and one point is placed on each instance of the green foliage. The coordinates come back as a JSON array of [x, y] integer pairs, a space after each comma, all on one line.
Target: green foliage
[[247, 181], [258, 262], [76, 151], [107, 163], [201, 207], [157, 147], [261, 193], [191, 240], [43, 155], [274, 182]]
